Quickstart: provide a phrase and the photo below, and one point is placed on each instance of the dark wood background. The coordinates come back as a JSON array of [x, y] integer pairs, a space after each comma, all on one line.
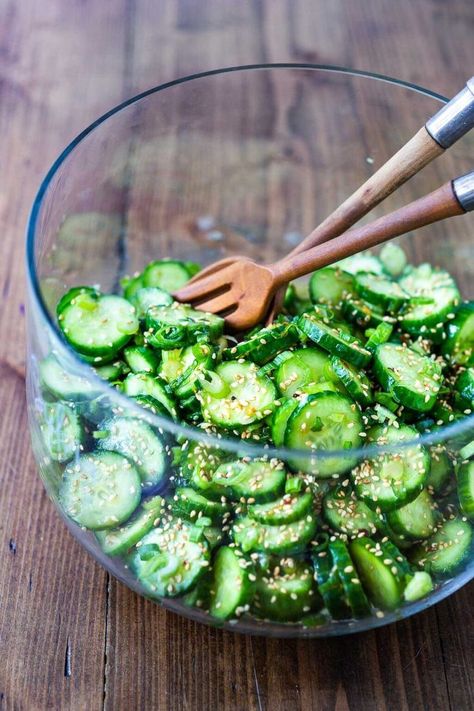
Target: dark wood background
[[71, 637]]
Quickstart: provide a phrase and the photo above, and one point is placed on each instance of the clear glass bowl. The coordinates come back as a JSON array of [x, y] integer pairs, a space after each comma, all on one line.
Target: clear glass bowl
[[241, 160]]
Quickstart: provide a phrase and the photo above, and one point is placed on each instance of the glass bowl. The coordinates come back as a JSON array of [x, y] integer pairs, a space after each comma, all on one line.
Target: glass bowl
[[242, 160]]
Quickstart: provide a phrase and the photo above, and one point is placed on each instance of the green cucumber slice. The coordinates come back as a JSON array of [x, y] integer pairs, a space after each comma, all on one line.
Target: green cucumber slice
[[331, 286], [441, 296], [419, 586], [329, 586], [255, 481], [100, 490], [465, 478], [441, 468], [291, 507], [61, 431], [333, 340], [98, 324], [380, 290], [194, 505], [388, 481], [285, 590], [447, 549], [350, 581], [412, 379], [355, 381], [280, 419], [65, 385], [167, 561], [141, 359], [381, 334], [167, 274], [364, 314], [170, 327], [344, 512], [136, 384], [381, 580], [303, 369], [145, 298], [250, 398], [264, 345], [393, 259], [361, 262], [117, 541], [459, 342], [287, 539], [324, 422], [233, 584], [416, 520], [464, 386]]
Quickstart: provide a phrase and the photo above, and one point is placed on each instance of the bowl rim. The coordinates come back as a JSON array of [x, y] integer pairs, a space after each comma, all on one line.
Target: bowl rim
[[232, 444]]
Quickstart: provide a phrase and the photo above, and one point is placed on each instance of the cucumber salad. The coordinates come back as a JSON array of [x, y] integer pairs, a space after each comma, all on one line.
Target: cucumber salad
[[368, 356]]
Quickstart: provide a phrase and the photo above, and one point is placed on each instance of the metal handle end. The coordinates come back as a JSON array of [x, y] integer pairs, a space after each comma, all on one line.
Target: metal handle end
[[455, 119], [463, 188]]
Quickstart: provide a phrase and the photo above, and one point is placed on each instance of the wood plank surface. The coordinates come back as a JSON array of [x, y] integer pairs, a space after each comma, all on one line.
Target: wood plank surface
[[71, 637]]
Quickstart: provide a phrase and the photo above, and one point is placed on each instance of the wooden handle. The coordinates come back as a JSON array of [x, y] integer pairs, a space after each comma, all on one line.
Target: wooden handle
[[409, 160], [435, 206]]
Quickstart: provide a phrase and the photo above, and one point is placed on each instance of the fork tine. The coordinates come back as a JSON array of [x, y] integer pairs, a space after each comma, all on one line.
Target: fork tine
[[213, 268], [219, 303], [199, 289]]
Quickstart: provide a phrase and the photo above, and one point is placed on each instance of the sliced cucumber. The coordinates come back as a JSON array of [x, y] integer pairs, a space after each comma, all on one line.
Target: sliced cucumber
[[388, 481], [416, 520], [136, 440], [459, 342], [464, 386], [117, 541], [465, 478], [255, 481], [330, 586], [331, 286], [303, 369], [381, 290], [350, 581], [61, 431], [170, 327], [412, 379], [249, 397], [136, 384], [65, 385], [364, 314], [419, 586], [141, 359], [195, 505], [361, 262], [264, 345], [112, 371], [333, 340], [145, 298], [291, 507], [324, 422], [441, 468], [393, 259], [447, 549], [280, 419], [233, 584], [167, 561], [344, 512], [96, 324], [285, 590], [100, 490], [355, 381], [438, 294], [380, 334], [380, 579], [167, 274], [287, 539]]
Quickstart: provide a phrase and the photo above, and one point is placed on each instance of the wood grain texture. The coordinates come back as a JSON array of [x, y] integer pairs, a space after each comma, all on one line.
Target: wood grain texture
[[70, 638]]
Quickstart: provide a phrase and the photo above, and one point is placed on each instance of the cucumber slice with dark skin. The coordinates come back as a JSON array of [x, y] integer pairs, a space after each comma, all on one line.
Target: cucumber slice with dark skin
[[305, 368], [233, 584], [65, 385], [272, 365], [131, 285], [441, 468], [264, 345], [331, 286], [440, 293], [381, 334], [287, 539], [141, 359], [194, 505], [380, 579], [117, 541], [325, 421], [136, 440], [145, 298], [254, 482], [167, 561], [344, 512], [291, 507], [361, 262], [100, 490], [459, 343], [464, 387], [285, 590], [250, 397], [167, 274], [416, 520], [176, 326], [465, 479], [412, 379], [330, 587], [447, 549], [381, 291], [388, 481], [61, 431], [355, 381], [350, 581], [96, 324], [112, 371], [347, 347], [144, 384], [280, 419]]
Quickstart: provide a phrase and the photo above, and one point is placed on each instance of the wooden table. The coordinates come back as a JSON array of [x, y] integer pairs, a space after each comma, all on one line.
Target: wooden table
[[70, 636]]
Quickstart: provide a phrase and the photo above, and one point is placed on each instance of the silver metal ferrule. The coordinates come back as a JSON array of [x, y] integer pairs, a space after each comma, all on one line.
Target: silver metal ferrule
[[455, 118], [464, 190]]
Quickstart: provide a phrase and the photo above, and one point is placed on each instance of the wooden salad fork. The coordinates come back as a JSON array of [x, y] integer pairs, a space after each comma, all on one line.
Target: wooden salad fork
[[440, 132], [242, 291]]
